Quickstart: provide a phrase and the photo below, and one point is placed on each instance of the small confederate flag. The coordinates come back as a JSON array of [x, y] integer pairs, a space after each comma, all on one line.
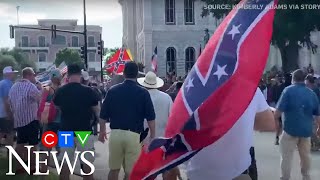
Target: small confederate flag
[[115, 65], [204, 110], [154, 60]]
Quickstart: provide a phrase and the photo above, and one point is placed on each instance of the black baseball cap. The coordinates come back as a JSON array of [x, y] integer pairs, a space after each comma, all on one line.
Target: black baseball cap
[[74, 69], [131, 70]]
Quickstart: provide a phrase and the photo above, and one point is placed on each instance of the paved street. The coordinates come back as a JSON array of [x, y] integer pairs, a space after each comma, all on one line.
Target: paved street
[[267, 157]]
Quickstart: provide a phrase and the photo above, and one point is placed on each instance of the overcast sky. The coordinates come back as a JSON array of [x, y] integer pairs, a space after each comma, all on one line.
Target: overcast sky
[[106, 13]]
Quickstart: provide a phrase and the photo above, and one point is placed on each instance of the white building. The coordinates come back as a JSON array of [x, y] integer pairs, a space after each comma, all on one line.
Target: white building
[[40, 47], [176, 28]]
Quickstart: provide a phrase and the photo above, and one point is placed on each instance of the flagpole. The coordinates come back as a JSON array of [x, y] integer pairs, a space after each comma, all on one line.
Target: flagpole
[[101, 58], [85, 36], [18, 7]]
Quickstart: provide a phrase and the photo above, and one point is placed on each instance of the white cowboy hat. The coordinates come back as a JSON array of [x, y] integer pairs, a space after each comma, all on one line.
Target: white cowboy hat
[[151, 81]]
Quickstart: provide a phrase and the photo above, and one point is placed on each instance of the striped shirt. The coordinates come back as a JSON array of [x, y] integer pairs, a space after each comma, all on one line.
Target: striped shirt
[[24, 98]]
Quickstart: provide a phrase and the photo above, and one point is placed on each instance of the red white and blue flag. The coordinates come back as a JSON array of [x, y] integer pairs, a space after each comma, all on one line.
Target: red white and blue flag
[[154, 60], [115, 65], [216, 92]]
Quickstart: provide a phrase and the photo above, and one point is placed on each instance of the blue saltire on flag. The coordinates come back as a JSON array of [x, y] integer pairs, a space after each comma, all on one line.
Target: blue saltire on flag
[[216, 92]]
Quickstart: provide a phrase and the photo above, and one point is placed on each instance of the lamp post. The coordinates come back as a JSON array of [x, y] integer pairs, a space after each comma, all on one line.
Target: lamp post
[[85, 35], [18, 7]]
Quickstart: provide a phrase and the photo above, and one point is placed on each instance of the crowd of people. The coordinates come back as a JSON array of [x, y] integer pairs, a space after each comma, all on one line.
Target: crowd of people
[[137, 110], [273, 86]]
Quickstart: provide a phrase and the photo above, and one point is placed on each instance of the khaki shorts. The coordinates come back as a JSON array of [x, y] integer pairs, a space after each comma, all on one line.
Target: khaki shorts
[[124, 149], [89, 146]]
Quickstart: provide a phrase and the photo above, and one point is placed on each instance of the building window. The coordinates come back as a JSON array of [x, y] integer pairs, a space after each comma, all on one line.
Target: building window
[[171, 60], [170, 12], [25, 41], [42, 41], [91, 41], [42, 57], [190, 58], [92, 56], [59, 40], [75, 41], [189, 11]]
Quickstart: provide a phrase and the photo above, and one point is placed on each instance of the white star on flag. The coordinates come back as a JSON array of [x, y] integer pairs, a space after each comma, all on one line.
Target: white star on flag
[[234, 30], [221, 72], [190, 84]]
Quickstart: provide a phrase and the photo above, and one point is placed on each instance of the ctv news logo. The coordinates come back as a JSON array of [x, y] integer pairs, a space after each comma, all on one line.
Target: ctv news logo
[[64, 139]]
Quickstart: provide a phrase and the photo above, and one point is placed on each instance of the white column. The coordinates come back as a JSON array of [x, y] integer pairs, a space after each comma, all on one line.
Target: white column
[[315, 38], [147, 30], [304, 57]]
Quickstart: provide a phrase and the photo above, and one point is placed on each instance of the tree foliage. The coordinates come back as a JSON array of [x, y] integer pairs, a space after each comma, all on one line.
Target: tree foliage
[[7, 60], [14, 58], [69, 56], [109, 52], [292, 26]]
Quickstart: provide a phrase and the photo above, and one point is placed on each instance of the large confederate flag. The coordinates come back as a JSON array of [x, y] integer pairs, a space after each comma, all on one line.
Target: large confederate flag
[[115, 65], [217, 90]]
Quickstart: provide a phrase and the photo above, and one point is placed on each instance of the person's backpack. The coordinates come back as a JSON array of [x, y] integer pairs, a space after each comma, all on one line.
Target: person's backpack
[[47, 111]]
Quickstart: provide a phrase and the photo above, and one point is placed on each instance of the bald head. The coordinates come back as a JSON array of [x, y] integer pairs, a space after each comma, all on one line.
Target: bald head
[[28, 73], [298, 76]]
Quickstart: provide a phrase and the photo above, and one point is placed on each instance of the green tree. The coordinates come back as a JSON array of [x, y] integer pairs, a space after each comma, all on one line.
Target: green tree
[[69, 56], [7, 60], [109, 52], [19, 58], [291, 28]]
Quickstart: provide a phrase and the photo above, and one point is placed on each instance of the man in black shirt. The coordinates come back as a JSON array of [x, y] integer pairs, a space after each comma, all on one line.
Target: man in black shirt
[[126, 106], [77, 104]]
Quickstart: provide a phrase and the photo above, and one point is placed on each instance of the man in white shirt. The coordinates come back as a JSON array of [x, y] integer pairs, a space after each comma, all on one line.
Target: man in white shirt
[[213, 162], [162, 104]]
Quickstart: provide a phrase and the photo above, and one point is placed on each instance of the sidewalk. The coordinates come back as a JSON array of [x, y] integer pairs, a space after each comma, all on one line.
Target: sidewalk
[[267, 155]]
